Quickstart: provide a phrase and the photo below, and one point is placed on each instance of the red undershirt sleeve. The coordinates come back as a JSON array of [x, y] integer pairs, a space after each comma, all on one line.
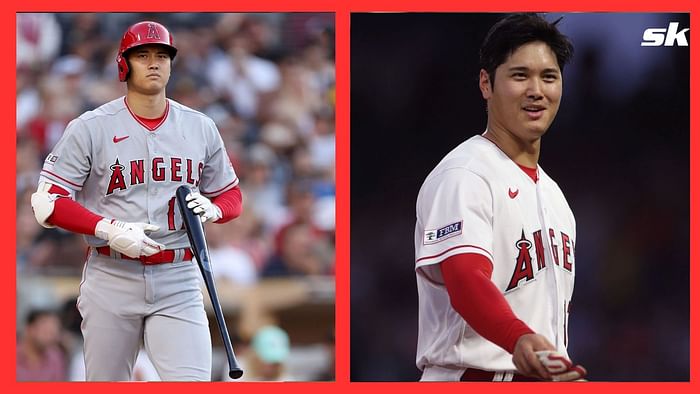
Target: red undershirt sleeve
[[70, 215], [472, 294], [231, 204]]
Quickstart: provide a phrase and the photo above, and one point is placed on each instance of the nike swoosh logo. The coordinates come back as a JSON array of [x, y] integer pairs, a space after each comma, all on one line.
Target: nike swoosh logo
[[513, 194], [115, 139]]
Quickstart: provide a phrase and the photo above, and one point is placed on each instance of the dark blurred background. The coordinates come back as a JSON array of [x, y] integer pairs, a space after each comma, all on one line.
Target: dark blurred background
[[619, 149]]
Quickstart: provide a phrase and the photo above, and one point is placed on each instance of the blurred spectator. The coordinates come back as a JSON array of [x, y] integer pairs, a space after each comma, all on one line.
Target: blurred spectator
[[242, 77], [84, 36], [26, 230], [301, 199], [263, 195], [39, 355], [300, 253], [28, 164], [265, 359], [301, 247], [282, 140], [316, 56], [248, 233], [232, 263], [28, 102], [38, 39], [296, 99], [270, 349], [322, 143]]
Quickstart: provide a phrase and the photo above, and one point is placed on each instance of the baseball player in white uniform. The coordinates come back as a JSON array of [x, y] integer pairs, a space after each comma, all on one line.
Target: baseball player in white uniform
[[494, 236], [112, 176]]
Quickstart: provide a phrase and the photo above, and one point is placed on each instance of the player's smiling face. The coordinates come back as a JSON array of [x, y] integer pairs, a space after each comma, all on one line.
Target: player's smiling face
[[149, 68], [525, 96]]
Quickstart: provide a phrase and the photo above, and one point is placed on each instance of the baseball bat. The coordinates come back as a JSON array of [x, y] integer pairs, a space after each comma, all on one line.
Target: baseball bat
[[195, 232]]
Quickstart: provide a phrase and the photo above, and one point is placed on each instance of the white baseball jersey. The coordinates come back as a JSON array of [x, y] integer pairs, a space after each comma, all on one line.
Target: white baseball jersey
[[119, 169], [477, 200]]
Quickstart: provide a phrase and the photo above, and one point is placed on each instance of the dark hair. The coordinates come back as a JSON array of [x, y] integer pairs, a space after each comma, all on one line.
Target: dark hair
[[515, 30], [35, 314]]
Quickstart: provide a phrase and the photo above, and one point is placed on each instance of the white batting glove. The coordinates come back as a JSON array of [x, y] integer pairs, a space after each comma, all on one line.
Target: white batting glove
[[202, 206], [128, 238], [560, 367]]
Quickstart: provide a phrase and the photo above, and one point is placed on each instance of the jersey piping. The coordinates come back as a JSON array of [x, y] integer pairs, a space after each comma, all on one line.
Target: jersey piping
[[453, 248], [63, 179], [162, 120]]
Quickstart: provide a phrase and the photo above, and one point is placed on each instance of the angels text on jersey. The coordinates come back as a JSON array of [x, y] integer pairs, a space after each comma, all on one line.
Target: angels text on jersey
[[172, 169], [526, 267]]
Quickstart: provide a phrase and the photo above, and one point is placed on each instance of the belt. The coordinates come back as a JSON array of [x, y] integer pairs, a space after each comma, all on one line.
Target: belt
[[478, 375], [163, 257]]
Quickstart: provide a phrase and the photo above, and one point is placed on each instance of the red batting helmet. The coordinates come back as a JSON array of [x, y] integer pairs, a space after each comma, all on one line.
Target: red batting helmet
[[142, 33]]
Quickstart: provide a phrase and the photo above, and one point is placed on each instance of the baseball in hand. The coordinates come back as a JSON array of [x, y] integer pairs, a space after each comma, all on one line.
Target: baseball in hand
[[560, 367]]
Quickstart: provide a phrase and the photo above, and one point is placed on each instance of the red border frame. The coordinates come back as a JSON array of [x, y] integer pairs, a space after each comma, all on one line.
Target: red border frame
[[342, 8]]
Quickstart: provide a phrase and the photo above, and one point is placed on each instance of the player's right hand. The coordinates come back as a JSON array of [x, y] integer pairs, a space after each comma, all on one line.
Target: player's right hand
[[560, 367], [128, 238], [526, 360]]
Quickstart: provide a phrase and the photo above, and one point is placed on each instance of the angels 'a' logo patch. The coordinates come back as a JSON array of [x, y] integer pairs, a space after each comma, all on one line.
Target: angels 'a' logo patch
[[442, 233]]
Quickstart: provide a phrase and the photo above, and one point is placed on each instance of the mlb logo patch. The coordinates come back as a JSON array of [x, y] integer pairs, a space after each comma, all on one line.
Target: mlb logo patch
[[442, 233], [51, 159]]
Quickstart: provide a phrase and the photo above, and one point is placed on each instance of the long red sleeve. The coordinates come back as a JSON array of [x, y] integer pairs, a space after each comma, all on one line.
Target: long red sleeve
[[472, 294], [231, 204], [70, 215]]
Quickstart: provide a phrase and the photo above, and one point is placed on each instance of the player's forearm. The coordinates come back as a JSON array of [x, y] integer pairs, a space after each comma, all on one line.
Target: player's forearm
[[70, 215], [479, 302], [230, 203]]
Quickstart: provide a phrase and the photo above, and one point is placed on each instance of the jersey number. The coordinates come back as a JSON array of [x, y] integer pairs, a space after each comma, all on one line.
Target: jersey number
[[171, 214]]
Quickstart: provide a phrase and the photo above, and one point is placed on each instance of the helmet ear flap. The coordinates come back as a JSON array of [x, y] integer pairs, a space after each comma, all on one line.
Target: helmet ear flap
[[123, 67]]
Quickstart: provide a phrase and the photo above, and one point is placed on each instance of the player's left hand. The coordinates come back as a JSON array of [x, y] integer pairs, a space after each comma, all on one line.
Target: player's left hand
[[202, 206], [560, 368]]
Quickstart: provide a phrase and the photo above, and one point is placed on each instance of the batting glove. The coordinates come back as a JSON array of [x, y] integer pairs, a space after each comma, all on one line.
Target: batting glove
[[560, 367], [202, 206], [128, 238]]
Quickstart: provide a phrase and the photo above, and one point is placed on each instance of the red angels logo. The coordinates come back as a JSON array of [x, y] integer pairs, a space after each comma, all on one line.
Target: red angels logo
[[152, 32], [562, 254], [116, 179], [523, 263]]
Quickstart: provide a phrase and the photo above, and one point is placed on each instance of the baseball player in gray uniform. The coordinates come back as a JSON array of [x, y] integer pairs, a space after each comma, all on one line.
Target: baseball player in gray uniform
[[112, 176]]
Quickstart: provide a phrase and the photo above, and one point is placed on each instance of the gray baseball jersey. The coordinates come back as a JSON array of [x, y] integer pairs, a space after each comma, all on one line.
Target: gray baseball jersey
[[116, 166], [119, 169]]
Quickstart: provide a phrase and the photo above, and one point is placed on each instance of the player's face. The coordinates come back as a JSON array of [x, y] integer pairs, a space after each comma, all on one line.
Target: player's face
[[526, 92], [149, 69]]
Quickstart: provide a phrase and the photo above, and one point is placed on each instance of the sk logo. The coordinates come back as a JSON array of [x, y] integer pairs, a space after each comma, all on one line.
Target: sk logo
[[655, 37]]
